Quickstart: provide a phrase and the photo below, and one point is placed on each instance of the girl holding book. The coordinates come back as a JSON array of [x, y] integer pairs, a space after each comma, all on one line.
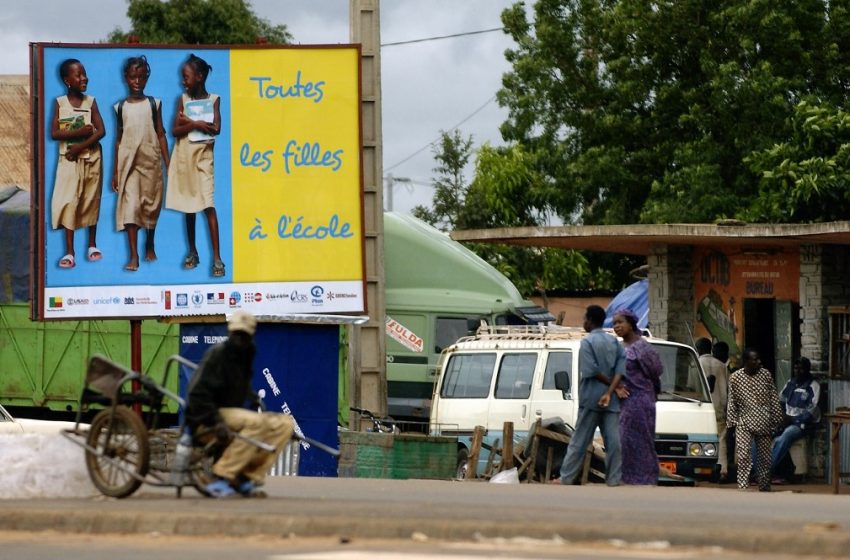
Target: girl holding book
[[191, 183], [140, 150], [78, 127]]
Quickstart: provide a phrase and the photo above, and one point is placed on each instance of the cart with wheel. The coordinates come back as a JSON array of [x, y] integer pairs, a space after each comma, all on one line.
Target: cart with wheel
[[125, 446]]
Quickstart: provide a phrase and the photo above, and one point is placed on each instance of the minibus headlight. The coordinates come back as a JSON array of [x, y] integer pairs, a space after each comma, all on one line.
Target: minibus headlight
[[694, 449], [709, 449]]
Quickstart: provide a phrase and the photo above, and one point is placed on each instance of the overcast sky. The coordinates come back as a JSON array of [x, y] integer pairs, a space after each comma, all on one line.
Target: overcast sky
[[427, 86]]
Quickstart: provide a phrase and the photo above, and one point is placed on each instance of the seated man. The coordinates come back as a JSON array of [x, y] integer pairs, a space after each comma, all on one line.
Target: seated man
[[799, 399], [217, 396]]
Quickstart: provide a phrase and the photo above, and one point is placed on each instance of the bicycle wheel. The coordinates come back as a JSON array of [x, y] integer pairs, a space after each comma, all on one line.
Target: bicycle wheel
[[121, 441]]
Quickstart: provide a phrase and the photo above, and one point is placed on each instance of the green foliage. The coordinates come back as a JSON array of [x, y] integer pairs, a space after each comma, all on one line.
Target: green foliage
[[224, 22], [507, 191], [807, 178], [646, 111], [452, 154]]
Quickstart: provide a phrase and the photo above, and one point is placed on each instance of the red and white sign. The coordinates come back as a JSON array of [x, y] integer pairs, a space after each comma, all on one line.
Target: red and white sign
[[404, 336]]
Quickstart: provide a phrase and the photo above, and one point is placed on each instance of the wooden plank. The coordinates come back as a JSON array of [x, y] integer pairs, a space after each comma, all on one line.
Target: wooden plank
[[549, 465], [494, 450], [507, 447], [554, 435], [474, 451]]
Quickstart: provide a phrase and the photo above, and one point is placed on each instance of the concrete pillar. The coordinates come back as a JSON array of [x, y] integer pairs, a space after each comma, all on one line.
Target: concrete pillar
[[367, 356], [671, 293]]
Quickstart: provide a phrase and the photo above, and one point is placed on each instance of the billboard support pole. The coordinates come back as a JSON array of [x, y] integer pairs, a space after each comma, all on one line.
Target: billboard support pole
[[367, 343], [136, 356]]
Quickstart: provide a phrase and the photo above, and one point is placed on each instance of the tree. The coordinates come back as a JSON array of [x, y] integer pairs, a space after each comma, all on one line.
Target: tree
[[807, 178], [452, 155], [198, 21], [640, 111], [507, 191]]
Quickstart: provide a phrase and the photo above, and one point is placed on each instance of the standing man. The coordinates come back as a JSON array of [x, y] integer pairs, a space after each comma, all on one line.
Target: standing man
[[754, 411], [217, 396], [720, 350], [799, 399], [715, 372], [602, 363]]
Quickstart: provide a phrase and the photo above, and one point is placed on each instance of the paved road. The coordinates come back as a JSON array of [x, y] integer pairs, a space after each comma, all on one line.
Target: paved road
[[21, 545], [783, 521]]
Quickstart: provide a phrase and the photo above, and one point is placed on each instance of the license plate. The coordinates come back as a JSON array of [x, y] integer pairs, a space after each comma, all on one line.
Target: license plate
[[669, 465]]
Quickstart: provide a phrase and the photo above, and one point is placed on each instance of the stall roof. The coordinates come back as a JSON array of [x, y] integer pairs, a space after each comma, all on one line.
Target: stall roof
[[638, 239]]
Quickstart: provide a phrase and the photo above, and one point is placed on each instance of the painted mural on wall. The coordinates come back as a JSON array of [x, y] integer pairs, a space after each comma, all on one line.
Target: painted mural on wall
[[723, 279]]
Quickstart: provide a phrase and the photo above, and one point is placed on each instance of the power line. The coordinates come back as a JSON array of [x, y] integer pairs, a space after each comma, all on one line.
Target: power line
[[426, 146], [442, 37]]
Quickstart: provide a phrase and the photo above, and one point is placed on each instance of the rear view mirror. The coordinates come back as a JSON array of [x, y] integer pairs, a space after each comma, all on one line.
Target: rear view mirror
[[562, 382]]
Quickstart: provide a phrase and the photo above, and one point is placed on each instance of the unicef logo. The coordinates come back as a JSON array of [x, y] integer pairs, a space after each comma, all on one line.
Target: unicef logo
[[317, 291], [116, 300]]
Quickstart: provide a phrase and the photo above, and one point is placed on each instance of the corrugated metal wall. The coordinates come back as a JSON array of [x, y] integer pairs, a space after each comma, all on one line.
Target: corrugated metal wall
[[839, 395]]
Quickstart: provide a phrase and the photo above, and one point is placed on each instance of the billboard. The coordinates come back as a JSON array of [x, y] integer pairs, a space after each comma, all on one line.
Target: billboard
[[165, 186]]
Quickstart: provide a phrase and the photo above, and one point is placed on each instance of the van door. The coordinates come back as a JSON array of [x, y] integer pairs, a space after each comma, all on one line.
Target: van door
[[548, 401], [512, 391]]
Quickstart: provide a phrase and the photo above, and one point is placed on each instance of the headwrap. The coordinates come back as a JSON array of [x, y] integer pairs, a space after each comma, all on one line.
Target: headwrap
[[630, 316]]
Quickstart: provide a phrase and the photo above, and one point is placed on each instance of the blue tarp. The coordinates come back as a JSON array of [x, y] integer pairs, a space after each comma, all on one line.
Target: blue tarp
[[634, 297]]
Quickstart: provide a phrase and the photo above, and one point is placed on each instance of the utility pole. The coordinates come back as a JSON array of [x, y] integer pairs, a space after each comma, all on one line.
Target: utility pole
[[390, 184], [367, 359]]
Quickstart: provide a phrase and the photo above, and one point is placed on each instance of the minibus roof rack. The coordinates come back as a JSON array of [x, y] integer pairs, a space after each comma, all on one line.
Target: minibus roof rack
[[524, 332]]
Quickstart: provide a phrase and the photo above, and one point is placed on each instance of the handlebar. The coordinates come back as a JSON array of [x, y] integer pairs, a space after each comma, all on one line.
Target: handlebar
[[384, 425], [363, 412]]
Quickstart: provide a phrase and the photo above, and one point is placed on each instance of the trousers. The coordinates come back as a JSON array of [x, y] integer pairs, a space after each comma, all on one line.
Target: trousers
[[744, 454], [586, 424], [244, 458], [783, 443]]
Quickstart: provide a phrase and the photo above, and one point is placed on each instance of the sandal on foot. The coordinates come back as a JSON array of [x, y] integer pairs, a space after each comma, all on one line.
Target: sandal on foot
[[220, 488], [94, 254], [218, 268], [67, 261], [191, 260]]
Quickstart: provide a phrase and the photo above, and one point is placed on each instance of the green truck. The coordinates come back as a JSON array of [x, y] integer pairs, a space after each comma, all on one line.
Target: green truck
[[437, 291]]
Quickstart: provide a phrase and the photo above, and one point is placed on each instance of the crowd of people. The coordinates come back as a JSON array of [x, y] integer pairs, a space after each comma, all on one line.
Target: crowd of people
[[618, 388], [757, 425]]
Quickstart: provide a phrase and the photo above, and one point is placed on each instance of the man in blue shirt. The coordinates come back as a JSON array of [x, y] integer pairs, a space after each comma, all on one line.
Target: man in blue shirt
[[602, 363], [799, 399]]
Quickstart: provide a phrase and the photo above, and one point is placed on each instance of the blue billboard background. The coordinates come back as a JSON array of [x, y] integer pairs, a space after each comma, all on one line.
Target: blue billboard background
[[104, 68], [296, 368]]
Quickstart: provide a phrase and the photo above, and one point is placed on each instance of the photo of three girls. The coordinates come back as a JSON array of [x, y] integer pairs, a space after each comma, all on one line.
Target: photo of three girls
[[141, 149]]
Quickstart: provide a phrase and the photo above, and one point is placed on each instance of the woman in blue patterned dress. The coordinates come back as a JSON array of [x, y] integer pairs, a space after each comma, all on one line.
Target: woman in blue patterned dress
[[637, 412]]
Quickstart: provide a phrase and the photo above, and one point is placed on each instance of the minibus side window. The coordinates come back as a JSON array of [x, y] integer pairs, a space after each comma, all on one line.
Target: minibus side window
[[468, 376], [558, 361], [515, 375]]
